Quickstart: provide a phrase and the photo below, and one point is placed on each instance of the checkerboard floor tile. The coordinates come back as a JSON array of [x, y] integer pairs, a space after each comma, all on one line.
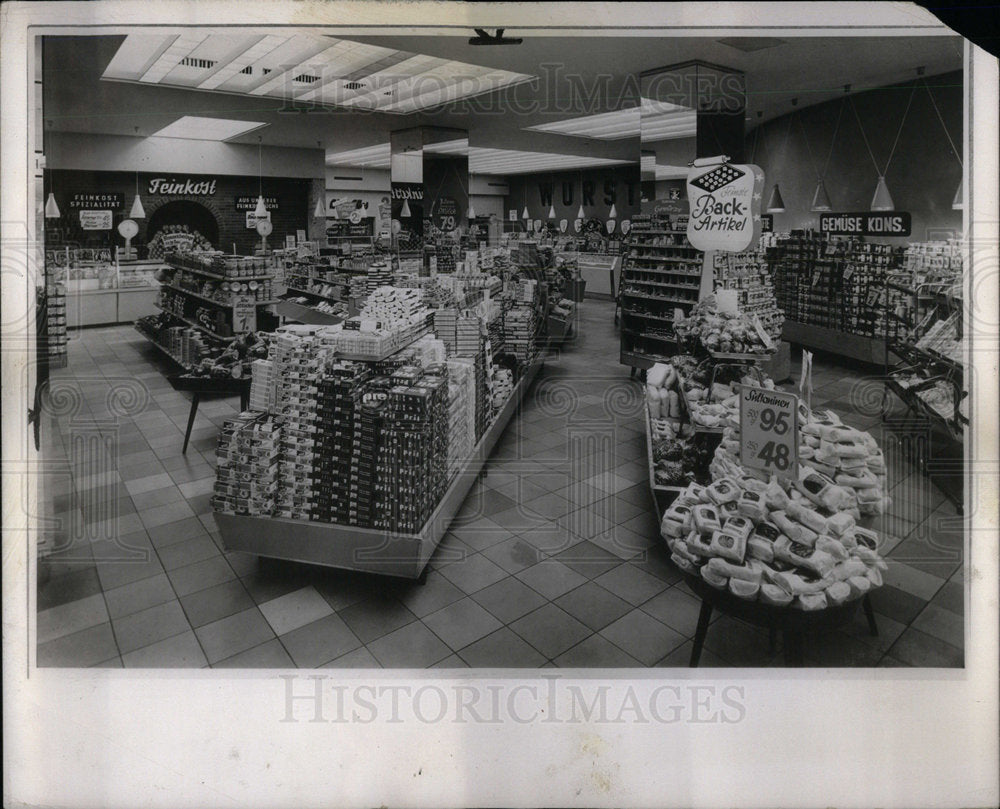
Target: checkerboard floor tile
[[553, 560]]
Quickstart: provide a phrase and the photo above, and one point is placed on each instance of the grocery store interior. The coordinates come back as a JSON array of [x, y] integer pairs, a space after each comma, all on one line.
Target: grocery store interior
[[371, 351]]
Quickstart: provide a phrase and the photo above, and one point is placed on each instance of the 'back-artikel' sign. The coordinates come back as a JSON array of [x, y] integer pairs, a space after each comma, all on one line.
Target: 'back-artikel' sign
[[725, 201]]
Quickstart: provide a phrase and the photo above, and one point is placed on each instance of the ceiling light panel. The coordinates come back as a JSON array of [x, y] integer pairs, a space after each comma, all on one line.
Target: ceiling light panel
[[366, 157], [180, 47], [304, 66], [192, 127]]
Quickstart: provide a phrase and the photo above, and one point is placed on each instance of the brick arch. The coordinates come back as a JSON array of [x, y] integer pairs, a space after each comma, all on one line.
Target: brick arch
[[156, 203]]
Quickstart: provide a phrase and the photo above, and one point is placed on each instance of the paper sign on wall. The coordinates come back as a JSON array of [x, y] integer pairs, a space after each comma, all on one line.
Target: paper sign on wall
[[95, 220], [253, 219], [725, 201]]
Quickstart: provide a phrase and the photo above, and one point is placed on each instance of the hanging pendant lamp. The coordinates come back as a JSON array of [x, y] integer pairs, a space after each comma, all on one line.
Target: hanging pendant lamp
[[320, 211], [958, 203], [882, 201], [524, 213], [137, 211], [552, 212], [580, 213], [472, 211], [776, 204], [821, 200], [405, 211], [51, 209], [613, 213]]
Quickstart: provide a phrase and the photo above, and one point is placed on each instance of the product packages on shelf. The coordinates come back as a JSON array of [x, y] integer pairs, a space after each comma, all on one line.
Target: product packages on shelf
[[368, 421]]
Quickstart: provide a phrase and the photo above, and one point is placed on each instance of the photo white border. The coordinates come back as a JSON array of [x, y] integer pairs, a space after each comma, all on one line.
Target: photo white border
[[814, 737]]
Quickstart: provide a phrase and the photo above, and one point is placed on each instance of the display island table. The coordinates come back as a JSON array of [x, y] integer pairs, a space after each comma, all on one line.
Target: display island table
[[371, 550]]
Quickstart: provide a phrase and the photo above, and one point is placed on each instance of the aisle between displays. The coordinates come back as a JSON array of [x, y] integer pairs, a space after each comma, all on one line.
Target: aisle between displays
[[504, 589]]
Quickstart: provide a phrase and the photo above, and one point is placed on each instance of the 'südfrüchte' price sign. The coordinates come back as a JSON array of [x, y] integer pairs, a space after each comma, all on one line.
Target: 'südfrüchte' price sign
[[769, 431]]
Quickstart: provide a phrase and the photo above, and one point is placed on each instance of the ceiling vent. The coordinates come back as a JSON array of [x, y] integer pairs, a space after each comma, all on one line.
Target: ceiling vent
[[248, 70], [354, 85], [305, 78], [204, 64]]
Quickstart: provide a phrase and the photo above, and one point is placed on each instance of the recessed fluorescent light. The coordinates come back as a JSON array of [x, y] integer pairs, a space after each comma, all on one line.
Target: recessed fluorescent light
[[751, 44], [192, 127], [658, 120]]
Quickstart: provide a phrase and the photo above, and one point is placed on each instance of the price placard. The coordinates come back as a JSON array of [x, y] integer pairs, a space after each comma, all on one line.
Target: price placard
[[244, 315], [769, 431]]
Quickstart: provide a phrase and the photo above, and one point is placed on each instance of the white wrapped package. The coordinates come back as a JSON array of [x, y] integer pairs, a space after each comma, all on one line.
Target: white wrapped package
[[724, 569], [774, 595], [839, 524], [657, 375], [848, 569], [815, 601], [860, 585], [716, 581], [686, 565], [746, 590], [807, 516], [833, 547], [838, 593]]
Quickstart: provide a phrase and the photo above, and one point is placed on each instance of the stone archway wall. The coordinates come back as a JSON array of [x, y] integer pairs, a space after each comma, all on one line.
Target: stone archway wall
[[157, 203]]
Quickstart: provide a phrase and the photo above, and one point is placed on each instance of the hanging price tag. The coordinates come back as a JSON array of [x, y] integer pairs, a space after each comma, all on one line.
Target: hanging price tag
[[769, 431]]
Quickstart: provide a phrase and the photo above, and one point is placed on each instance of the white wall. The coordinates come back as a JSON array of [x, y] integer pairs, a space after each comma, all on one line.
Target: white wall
[[70, 150]]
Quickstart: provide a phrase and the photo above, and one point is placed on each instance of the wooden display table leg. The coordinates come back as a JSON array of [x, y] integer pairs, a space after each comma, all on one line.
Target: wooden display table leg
[[870, 615], [195, 399], [699, 636]]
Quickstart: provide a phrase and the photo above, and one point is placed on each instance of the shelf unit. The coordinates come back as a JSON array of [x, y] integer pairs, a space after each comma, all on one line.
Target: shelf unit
[[644, 295], [368, 549]]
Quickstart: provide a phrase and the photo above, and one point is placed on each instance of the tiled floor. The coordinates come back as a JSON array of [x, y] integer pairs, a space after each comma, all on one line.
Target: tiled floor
[[554, 558]]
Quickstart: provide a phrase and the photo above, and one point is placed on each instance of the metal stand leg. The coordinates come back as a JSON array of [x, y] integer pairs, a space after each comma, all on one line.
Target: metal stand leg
[[194, 412], [870, 615], [699, 636]]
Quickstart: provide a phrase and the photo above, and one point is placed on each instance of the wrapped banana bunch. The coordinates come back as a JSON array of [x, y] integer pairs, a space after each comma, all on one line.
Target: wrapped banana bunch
[[722, 332], [786, 545], [715, 406]]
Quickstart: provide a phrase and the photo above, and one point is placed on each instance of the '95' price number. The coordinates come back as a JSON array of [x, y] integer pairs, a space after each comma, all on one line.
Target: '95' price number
[[767, 430]]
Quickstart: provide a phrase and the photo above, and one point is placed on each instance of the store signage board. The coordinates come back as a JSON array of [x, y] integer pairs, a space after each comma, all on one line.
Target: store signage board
[[866, 223], [289, 242], [725, 200], [253, 219], [95, 220], [102, 201], [445, 214], [767, 223], [250, 203], [244, 315], [670, 207], [769, 430], [728, 301], [170, 186]]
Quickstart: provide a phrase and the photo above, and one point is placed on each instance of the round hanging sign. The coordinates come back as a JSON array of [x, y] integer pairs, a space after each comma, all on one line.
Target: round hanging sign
[[355, 217], [563, 224]]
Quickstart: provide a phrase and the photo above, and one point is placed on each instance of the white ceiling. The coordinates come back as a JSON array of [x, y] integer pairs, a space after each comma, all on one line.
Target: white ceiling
[[581, 106]]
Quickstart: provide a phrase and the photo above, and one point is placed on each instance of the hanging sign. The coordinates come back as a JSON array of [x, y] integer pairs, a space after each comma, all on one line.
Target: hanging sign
[[445, 215], [769, 430], [610, 225], [626, 226], [563, 225], [95, 220], [670, 207], [866, 223], [725, 201], [253, 219], [767, 223], [244, 315], [187, 187], [250, 203], [103, 201], [577, 225], [512, 215]]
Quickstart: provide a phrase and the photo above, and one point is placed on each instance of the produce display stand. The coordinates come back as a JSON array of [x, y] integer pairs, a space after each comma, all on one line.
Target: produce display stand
[[199, 386], [820, 338], [306, 314], [792, 623], [663, 496], [367, 549]]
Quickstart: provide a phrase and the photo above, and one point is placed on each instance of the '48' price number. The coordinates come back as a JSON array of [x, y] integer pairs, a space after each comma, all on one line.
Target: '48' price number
[[772, 453]]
